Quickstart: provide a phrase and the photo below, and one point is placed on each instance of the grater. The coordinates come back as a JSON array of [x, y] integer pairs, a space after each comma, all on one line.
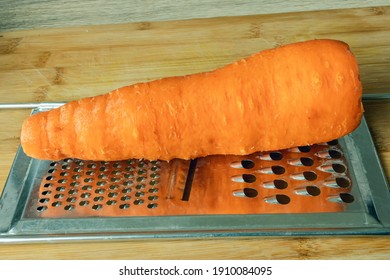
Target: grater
[[336, 187]]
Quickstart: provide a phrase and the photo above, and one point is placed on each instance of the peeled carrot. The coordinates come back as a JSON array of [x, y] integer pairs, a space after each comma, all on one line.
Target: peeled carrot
[[298, 94]]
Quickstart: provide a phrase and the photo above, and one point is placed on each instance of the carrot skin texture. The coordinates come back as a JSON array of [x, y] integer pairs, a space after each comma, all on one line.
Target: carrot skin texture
[[298, 94]]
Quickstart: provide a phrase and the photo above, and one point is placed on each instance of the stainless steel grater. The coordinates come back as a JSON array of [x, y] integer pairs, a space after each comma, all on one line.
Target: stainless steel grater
[[328, 188]]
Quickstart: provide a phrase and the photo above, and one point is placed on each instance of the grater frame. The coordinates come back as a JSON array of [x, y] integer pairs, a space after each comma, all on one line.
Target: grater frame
[[372, 218]]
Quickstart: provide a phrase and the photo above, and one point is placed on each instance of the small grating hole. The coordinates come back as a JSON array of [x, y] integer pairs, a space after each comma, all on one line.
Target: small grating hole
[[46, 192], [111, 202], [128, 175], [75, 184], [101, 183], [87, 187], [61, 181], [278, 170], [280, 184], [44, 200], [76, 177], [97, 206], [115, 172], [41, 208], [102, 176], [60, 189], [73, 191], [249, 178], [47, 185], [114, 187], [52, 170], [69, 207], [85, 195], [310, 175], [64, 173], [139, 194], [71, 199], [59, 196], [88, 180], [140, 186], [127, 183], [90, 173], [141, 179], [79, 162], [154, 175], [155, 168], [142, 172], [155, 162], [65, 167], [84, 203], [126, 190], [102, 169], [53, 164], [152, 205], [125, 198], [117, 165], [50, 178], [153, 197], [334, 154], [129, 168], [124, 206], [92, 165], [112, 194], [68, 160], [141, 164], [154, 182], [139, 202], [276, 155], [56, 204], [115, 179], [98, 198], [153, 190], [343, 182], [77, 169], [99, 191]]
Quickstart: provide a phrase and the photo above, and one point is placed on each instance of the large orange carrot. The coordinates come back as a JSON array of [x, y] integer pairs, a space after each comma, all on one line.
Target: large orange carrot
[[298, 94]]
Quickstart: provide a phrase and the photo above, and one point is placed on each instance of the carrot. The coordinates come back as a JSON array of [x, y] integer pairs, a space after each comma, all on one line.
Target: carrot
[[298, 94]]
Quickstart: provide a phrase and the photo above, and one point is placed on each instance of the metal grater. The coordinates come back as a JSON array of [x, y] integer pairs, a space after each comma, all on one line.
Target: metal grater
[[328, 188]]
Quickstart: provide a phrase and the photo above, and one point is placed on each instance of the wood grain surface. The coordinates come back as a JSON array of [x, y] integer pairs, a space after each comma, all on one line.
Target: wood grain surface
[[68, 63]]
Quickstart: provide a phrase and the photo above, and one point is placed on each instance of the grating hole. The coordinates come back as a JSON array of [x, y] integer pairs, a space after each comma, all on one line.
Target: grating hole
[[103, 168], [313, 190], [114, 187], [249, 178], [47, 185], [88, 180], [102, 176], [97, 206], [129, 168], [61, 181], [99, 191], [153, 182], [155, 162], [101, 183], [44, 200], [250, 192], [247, 164], [64, 173], [87, 187], [41, 208], [117, 165], [141, 164], [154, 175], [76, 177], [152, 205], [125, 198], [52, 170], [338, 168], [276, 155], [278, 170], [155, 168], [85, 195], [334, 154], [79, 162], [65, 167], [60, 189], [280, 184], [111, 202], [90, 172], [56, 204], [46, 192], [115, 179], [141, 179], [333, 142], [67, 160], [92, 165], [304, 149], [347, 198], [115, 172], [129, 175], [59, 196], [84, 203], [139, 202], [124, 206], [282, 199], [153, 197], [53, 164], [343, 182], [306, 161], [98, 198], [142, 172], [50, 178], [153, 190], [77, 169], [140, 186], [310, 175]]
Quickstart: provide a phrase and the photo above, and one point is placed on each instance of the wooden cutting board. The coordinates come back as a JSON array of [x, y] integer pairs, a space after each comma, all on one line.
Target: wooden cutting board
[[63, 64]]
